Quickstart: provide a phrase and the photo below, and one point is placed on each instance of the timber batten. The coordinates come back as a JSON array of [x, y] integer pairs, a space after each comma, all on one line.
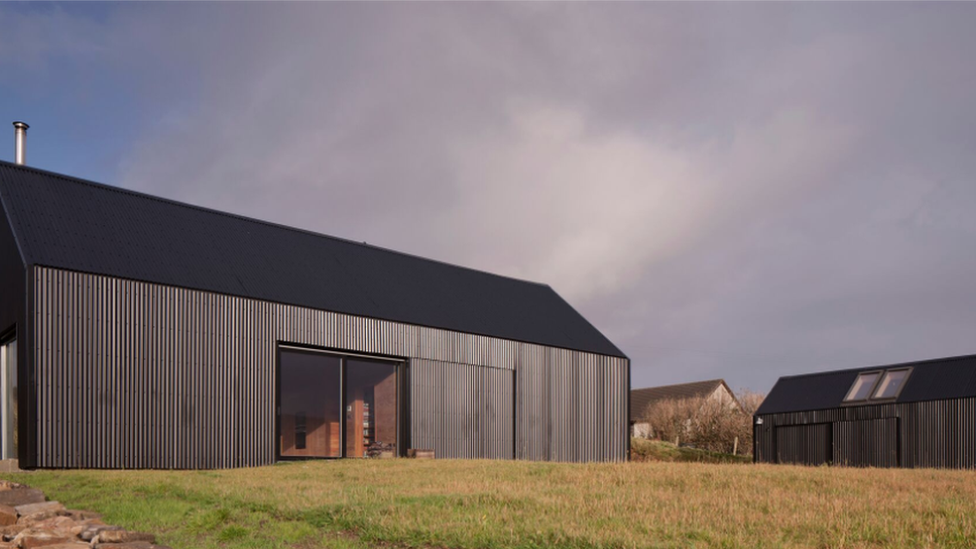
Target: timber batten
[[141, 375]]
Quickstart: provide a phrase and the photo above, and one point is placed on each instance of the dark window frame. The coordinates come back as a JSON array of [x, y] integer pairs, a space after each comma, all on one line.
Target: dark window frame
[[402, 365], [874, 385], [874, 390], [871, 398]]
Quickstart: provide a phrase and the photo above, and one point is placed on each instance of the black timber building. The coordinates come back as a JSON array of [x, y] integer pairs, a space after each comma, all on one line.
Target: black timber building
[[917, 414], [139, 332]]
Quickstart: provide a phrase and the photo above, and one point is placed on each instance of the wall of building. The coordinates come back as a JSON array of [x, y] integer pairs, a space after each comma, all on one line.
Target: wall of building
[[939, 433], [13, 316], [140, 375], [641, 429]]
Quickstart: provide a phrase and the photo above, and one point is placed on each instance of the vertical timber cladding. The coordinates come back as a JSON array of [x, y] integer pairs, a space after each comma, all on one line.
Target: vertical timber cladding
[[462, 411], [937, 433], [803, 444], [140, 375], [532, 382], [866, 443]]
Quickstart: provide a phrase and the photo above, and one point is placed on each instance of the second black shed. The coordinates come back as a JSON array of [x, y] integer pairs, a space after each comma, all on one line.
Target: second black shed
[[917, 414]]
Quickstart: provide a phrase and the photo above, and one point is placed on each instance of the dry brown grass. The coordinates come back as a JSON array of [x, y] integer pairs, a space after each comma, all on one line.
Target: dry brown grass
[[518, 504]]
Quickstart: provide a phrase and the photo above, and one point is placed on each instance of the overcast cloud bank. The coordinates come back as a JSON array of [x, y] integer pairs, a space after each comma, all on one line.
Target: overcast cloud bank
[[741, 191]]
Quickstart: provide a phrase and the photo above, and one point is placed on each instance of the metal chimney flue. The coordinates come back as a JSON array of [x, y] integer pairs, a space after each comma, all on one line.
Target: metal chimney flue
[[20, 142]]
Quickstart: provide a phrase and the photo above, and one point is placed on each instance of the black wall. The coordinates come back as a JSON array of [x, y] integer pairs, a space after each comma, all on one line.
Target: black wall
[[141, 375], [13, 280], [939, 433]]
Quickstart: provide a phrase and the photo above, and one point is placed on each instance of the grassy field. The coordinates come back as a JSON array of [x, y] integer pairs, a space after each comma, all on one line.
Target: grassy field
[[655, 450], [442, 503]]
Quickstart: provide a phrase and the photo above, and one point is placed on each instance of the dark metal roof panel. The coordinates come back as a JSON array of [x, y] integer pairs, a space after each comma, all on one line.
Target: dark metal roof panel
[[74, 224], [936, 379]]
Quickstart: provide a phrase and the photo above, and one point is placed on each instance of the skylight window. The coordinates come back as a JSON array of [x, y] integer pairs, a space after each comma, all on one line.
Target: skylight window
[[862, 387], [891, 383], [878, 385]]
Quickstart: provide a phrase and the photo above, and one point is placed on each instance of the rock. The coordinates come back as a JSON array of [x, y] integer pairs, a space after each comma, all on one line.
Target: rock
[[79, 515], [8, 515], [89, 533], [8, 533], [27, 521], [124, 536], [29, 509], [8, 485], [21, 496], [79, 527], [34, 518], [59, 526], [39, 539]]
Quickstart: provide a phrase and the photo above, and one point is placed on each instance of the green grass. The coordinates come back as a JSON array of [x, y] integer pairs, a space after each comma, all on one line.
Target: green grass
[[485, 504], [656, 450]]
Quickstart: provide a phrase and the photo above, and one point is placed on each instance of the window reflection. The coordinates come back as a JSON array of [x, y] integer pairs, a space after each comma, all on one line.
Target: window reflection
[[371, 404], [8, 387], [310, 405]]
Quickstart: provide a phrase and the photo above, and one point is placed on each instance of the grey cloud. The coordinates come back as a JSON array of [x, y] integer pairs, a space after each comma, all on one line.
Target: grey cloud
[[727, 190]]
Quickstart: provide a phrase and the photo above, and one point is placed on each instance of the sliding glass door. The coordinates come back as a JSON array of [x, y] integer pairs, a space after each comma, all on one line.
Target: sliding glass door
[[371, 408], [310, 405], [332, 405]]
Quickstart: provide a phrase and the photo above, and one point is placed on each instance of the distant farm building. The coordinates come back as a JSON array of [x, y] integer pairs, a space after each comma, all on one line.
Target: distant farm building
[[642, 401], [918, 414]]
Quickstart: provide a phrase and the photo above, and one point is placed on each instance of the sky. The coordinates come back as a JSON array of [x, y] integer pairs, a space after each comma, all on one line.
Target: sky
[[738, 191]]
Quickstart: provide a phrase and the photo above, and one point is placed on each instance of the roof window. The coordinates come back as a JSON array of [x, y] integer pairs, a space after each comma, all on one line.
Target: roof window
[[862, 387], [878, 385], [891, 383]]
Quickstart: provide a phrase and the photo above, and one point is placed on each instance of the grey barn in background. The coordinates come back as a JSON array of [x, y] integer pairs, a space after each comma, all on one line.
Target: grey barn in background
[[139, 332], [918, 414]]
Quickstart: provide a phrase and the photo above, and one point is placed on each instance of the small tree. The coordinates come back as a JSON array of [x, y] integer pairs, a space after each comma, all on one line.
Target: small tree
[[670, 419], [709, 424]]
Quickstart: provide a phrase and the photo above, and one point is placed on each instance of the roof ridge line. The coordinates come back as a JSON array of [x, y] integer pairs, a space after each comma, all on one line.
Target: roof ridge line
[[113, 188], [716, 380], [883, 366]]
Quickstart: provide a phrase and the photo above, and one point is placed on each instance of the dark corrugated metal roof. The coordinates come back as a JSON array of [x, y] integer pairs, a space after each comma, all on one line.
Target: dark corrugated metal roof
[[936, 379], [74, 224], [640, 399]]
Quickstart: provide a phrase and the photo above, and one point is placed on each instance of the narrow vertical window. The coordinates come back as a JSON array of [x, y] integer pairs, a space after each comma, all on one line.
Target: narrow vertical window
[[8, 399]]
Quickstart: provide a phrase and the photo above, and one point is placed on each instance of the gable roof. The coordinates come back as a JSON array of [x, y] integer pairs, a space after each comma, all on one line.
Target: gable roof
[[641, 399], [936, 379], [69, 223]]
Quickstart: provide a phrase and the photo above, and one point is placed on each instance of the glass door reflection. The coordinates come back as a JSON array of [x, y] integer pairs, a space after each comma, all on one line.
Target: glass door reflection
[[371, 408]]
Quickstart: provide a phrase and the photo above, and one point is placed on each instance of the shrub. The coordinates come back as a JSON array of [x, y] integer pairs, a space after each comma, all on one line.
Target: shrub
[[710, 424]]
